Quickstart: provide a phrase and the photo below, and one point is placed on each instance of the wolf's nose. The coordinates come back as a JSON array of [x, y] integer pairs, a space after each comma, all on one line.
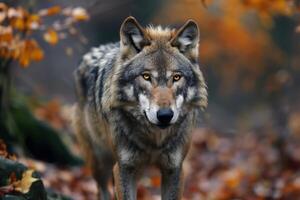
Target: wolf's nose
[[164, 115]]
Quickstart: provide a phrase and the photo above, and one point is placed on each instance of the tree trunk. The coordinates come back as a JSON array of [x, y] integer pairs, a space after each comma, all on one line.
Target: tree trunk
[[5, 85]]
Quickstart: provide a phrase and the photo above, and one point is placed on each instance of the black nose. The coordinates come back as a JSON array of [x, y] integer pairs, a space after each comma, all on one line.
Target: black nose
[[164, 115]]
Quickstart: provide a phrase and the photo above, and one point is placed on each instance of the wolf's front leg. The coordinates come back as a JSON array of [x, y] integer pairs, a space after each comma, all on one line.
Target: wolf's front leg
[[172, 183], [125, 181]]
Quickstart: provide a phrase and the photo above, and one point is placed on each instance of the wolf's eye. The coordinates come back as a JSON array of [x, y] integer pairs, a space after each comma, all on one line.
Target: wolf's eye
[[146, 76], [176, 77]]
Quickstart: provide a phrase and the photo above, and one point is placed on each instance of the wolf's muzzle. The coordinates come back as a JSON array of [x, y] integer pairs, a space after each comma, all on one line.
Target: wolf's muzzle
[[164, 116]]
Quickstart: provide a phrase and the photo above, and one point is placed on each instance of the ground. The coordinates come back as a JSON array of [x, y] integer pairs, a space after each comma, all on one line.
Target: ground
[[244, 166], [250, 165]]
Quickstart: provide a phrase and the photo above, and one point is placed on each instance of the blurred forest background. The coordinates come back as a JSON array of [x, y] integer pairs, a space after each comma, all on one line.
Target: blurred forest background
[[248, 146]]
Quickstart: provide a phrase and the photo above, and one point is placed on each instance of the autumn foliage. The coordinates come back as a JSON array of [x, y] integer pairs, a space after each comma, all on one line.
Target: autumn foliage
[[235, 37], [18, 25]]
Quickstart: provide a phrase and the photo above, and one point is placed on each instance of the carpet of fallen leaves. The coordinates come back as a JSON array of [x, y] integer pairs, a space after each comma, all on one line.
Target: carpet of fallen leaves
[[253, 165], [244, 166], [221, 167]]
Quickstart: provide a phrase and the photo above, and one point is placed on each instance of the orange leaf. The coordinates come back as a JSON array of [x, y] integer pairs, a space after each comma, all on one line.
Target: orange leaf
[[6, 34], [33, 22], [50, 11], [25, 183], [155, 181], [30, 50], [37, 54], [18, 23], [24, 60], [18, 18], [51, 36], [80, 14]]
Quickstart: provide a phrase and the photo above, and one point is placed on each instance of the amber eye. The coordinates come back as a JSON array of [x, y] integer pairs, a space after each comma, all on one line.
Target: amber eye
[[176, 77], [146, 76]]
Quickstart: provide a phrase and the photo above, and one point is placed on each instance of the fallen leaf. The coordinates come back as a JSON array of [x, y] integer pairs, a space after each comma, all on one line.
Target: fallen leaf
[[25, 183], [155, 181]]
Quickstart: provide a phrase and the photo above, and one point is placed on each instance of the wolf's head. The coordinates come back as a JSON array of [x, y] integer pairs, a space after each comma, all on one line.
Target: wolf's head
[[158, 76]]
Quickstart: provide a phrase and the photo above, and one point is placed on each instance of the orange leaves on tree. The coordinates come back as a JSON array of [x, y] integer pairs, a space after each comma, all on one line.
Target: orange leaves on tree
[[77, 13], [6, 34], [267, 8], [17, 18], [22, 20], [270, 6], [30, 51], [18, 24], [54, 10], [232, 38], [33, 22], [80, 14], [51, 36]]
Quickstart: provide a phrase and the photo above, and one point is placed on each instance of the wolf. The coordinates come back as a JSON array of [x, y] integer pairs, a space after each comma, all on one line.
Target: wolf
[[138, 100]]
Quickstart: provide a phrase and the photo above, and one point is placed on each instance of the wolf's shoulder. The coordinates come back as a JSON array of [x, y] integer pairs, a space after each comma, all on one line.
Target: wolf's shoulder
[[101, 56], [94, 68]]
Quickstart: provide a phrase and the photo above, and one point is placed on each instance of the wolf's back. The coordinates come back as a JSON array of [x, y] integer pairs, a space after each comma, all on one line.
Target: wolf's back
[[92, 72]]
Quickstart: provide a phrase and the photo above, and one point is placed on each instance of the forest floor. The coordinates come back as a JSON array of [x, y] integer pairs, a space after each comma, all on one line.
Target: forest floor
[[247, 166], [253, 165]]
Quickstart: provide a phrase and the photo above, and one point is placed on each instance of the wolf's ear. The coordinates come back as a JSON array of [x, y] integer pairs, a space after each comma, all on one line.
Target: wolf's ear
[[132, 35], [187, 38]]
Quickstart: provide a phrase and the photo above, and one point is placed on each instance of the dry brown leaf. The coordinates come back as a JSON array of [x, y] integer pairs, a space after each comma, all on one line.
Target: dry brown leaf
[[51, 36], [25, 183]]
